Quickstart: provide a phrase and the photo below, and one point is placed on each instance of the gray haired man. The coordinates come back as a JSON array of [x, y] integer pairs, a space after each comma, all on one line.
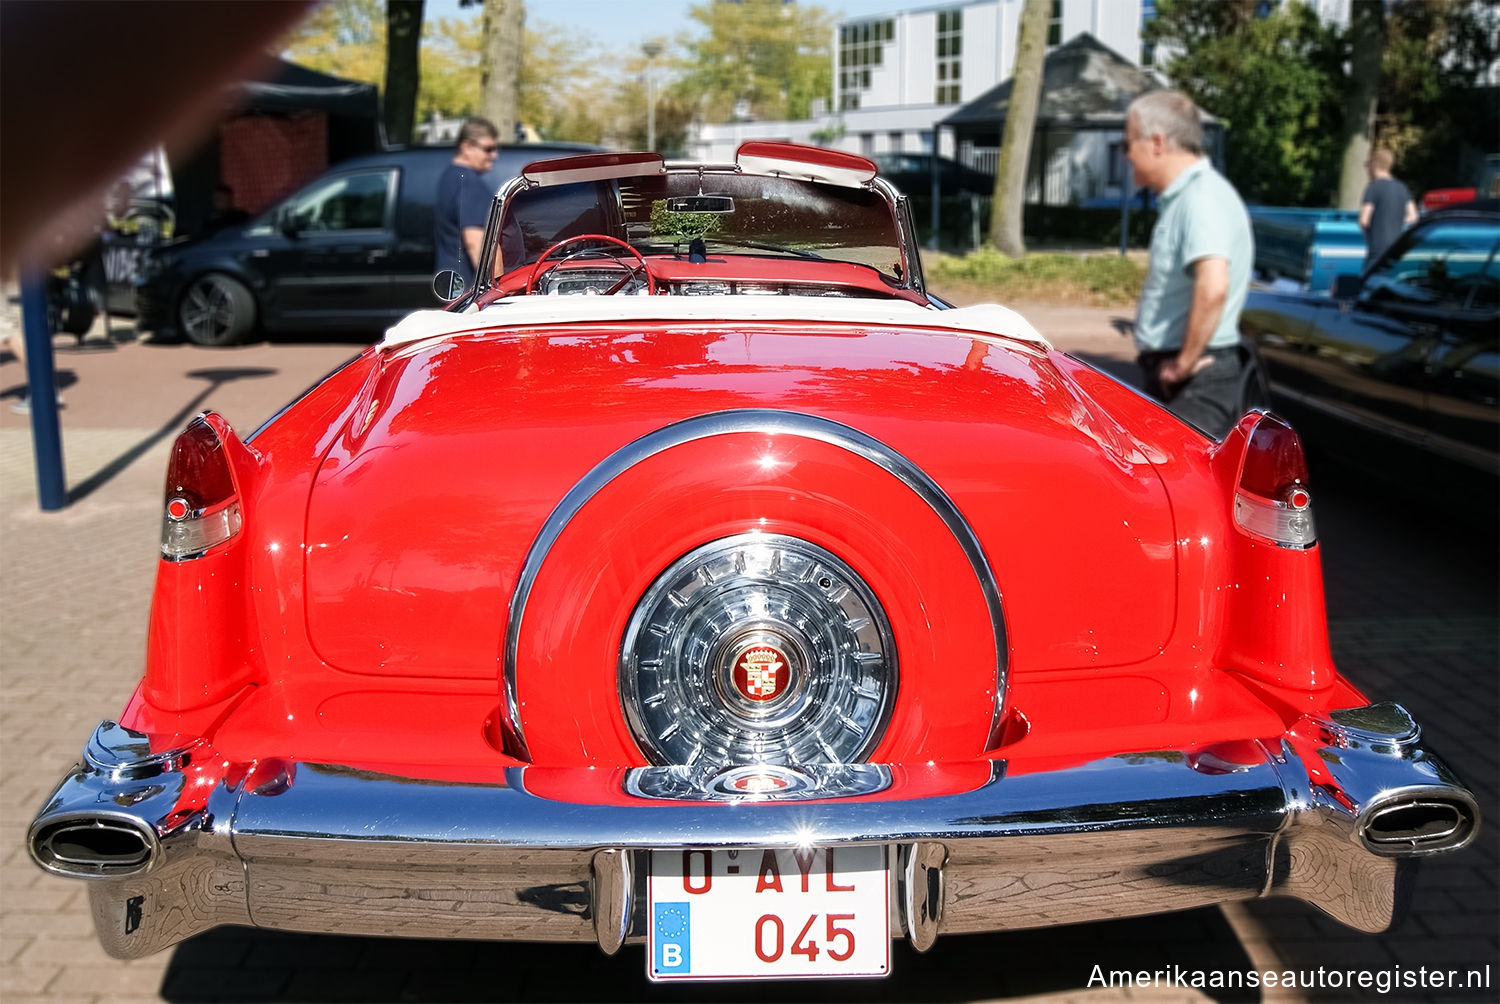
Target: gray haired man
[[1187, 322]]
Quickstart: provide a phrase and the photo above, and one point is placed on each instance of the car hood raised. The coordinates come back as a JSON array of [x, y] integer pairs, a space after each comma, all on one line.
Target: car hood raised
[[423, 512]]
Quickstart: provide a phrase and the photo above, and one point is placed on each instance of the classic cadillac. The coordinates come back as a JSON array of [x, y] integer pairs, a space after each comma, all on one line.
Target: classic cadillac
[[700, 581]]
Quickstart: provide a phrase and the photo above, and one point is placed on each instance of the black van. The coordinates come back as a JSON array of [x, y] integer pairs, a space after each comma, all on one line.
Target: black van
[[351, 251]]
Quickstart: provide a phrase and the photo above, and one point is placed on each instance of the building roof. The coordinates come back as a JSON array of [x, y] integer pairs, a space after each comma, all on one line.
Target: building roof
[[1084, 83]]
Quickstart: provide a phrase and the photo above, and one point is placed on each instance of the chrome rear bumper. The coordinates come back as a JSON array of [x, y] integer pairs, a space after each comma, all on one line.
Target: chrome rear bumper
[[1332, 814]]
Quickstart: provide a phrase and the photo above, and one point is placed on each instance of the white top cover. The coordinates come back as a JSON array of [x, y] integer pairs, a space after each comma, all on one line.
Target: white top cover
[[982, 320]]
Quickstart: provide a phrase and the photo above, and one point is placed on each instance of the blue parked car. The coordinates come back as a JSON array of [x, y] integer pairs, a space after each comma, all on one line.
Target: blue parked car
[[1308, 247]]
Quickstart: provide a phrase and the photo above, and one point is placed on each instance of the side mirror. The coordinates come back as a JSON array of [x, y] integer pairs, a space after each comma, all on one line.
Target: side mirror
[[448, 285], [1346, 286], [287, 223]]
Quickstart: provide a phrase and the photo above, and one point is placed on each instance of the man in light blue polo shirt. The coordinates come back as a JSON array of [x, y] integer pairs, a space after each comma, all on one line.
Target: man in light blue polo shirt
[[1187, 323]]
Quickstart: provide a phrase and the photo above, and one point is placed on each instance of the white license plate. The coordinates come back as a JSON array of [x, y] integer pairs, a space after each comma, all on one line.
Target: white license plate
[[773, 913]]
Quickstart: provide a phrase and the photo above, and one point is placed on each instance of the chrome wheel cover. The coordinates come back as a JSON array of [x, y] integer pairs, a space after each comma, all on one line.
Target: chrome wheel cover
[[758, 648]]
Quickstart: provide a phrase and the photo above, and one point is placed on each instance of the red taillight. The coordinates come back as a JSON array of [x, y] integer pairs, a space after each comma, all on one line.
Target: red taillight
[[1271, 498], [1274, 461], [202, 507]]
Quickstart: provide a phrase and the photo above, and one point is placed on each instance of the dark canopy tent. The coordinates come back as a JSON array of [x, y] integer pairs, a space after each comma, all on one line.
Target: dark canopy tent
[[1086, 86], [353, 109], [286, 127]]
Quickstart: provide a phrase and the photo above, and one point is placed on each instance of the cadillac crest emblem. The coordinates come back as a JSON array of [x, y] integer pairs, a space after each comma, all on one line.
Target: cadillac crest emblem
[[760, 674]]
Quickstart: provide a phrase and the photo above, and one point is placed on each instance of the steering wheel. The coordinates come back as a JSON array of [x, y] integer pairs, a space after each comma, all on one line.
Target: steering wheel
[[538, 274]]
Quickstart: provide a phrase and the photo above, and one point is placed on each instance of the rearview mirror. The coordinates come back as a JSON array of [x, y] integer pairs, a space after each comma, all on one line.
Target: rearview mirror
[[700, 204], [448, 285]]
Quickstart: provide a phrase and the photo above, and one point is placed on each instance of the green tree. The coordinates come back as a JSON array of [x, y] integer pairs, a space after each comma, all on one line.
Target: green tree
[[561, 85], [1435, 112], [1276, 84], [1020, 123], [675, 108], [450, 69], [773, 56], [345, 38], [1291, 89]]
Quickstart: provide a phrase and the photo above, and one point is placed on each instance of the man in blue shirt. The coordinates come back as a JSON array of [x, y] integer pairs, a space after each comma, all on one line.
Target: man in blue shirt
[[1187, 323], [463, 201], [1386, 208]]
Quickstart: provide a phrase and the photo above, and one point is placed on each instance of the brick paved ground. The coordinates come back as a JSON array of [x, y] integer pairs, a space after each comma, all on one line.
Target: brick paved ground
[[1412, 602]]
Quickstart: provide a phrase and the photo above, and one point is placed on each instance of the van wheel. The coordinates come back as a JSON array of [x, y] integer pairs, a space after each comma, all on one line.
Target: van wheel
[[216, 310]]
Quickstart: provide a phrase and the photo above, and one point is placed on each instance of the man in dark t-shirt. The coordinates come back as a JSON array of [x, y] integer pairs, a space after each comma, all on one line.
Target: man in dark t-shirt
[[463, 201], [1386, 208]]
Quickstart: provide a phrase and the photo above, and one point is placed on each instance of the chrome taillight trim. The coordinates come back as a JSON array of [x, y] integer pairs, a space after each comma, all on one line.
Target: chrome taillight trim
[[755, 420], [200, 530], [1276, 522]]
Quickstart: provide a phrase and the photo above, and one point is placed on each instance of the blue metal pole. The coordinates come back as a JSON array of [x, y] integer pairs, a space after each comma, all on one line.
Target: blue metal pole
[[41, 387]]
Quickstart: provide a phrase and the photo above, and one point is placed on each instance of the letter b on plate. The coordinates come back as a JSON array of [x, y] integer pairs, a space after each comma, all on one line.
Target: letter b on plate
[[673, 938]]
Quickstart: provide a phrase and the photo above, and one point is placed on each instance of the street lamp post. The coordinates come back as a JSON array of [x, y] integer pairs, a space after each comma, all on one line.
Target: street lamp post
[[652, 50]]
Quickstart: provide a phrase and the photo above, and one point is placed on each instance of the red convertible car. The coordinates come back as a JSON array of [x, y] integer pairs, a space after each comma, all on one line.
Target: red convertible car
[[700, 581]]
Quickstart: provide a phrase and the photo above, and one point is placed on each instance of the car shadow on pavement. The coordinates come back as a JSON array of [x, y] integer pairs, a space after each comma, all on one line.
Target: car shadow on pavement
[[216, 378], [242, 964]]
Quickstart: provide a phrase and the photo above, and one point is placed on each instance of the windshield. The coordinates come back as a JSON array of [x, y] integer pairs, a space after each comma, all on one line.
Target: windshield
[[766, 216], [1446, 264]]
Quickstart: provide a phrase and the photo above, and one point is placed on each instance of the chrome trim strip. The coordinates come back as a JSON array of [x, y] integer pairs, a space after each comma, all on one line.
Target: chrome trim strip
[[771, 422], [906, 233], [528, 856], [508, 191]]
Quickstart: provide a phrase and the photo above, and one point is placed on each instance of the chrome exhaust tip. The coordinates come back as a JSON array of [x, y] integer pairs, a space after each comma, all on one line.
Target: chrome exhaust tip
[[93, 846], [1417, 823]]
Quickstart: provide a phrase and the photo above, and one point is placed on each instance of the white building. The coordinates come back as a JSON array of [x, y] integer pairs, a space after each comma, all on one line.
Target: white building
[[897, 75]]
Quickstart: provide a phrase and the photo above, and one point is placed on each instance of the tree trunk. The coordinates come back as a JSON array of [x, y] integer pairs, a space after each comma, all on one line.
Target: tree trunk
[[1366, 33], [504, 24], [403, 71], [1020, 122]]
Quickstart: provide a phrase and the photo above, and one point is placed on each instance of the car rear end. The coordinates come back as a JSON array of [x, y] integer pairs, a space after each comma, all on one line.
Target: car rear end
[[796, 631]]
